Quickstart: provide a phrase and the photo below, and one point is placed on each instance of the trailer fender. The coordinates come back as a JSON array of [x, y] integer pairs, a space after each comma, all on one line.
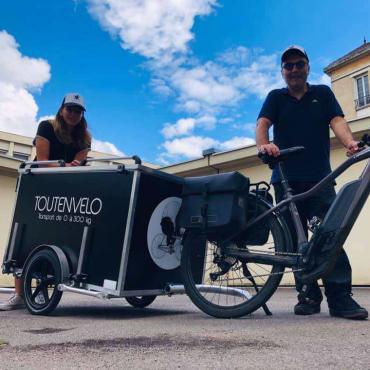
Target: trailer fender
[[60, 255]]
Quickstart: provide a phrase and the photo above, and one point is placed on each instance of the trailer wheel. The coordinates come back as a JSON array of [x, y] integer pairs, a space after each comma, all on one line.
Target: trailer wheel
[[42, 275], [141, 302]]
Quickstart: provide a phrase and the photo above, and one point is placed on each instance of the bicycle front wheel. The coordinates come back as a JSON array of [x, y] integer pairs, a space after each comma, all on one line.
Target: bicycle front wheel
[[225, 286]]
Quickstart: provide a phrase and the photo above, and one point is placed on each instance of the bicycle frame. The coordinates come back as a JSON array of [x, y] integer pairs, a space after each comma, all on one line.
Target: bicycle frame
[[332, 232]]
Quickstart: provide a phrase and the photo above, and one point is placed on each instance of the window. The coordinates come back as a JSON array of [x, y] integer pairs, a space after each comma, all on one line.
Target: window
[[22, 156], [363, 93]]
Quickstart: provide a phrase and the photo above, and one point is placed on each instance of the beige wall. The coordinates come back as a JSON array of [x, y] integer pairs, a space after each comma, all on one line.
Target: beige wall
[[7, 201], [357, 245], [345, 89]]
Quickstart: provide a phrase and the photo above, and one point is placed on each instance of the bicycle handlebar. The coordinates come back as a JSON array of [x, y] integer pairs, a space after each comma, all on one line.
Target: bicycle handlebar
[[284, 153]]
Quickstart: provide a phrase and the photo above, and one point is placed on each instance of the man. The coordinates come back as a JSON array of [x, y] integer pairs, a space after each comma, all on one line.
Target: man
[[301, 115]]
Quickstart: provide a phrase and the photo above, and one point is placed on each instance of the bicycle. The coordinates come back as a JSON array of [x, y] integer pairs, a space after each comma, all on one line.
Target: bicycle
[[243, 269]]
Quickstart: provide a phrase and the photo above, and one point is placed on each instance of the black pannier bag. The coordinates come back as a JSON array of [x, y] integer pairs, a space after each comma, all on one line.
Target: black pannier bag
[[258, 234], [215, 203]]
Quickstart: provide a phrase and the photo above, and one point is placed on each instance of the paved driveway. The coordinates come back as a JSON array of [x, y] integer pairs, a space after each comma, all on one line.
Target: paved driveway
[[85, 333]]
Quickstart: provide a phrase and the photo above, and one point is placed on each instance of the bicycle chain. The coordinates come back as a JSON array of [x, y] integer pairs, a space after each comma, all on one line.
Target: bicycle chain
[[276, 253], [270, 274]]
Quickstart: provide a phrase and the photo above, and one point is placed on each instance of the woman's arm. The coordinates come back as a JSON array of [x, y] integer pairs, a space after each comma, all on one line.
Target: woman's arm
[[43, 151], [42, 148], [80, 156]]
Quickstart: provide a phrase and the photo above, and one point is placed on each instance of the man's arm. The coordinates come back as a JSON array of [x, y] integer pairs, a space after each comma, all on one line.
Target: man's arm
[[342, 131], [262, 137]]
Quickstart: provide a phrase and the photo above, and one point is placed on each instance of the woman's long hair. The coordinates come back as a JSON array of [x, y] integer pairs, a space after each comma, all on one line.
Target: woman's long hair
[[79, 137]]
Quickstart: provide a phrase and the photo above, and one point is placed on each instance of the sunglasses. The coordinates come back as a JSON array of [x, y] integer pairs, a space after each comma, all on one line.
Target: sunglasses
[[74, 110], [299, 65]]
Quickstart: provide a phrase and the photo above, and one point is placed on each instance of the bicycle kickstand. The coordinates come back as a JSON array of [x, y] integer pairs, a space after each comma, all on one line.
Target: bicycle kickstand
[[248, 275]]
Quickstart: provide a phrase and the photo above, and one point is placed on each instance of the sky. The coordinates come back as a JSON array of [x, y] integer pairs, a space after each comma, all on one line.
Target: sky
[[163, 79]]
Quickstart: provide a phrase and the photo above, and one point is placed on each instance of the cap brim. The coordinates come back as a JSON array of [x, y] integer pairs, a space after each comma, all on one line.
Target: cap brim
[[291, 52], [74, 105]]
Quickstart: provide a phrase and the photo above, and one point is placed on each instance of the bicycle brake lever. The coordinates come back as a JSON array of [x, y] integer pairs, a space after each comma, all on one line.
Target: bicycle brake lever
[[365, 140], [267, 159]]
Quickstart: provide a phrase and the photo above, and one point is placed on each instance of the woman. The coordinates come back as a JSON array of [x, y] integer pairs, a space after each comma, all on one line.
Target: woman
[[65, 137]]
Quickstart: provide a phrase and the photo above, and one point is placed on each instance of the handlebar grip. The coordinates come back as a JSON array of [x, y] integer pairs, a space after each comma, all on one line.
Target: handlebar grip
[[265, 158], [271, 160], [365, 140], [137, 159]]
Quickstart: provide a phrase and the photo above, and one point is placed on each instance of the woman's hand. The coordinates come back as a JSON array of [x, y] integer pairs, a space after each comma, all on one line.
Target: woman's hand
[[75, 162]]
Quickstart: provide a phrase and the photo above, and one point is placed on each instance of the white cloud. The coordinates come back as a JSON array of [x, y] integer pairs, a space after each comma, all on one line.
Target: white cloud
[[323, 79], [161, 31], [216, 86], [45, 118], [160, 87], [250, 127], [19, 76], [152, 28], [238, 55], [210, 85], [236, 142], [185, 126], [226, 120], [188, 147], [192, 147], [18, 110], [18, 70], [106, 147]]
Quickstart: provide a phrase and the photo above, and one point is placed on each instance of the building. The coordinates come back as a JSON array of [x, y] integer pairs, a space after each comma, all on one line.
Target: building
[[350, 83]]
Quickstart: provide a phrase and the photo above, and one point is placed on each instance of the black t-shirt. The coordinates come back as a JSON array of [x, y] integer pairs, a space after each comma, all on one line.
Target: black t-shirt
[[303, 122], [58, 150]]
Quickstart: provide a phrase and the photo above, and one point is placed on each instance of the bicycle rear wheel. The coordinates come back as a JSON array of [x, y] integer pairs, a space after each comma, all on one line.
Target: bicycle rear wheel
[[224, 286]]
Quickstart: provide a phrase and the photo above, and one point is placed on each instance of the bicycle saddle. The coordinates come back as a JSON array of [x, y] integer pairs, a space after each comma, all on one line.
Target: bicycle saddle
[[284, 154]]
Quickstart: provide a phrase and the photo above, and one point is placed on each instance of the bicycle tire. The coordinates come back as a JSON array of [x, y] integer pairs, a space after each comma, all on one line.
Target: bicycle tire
[[42, 272], [141, 301], [194, 256]]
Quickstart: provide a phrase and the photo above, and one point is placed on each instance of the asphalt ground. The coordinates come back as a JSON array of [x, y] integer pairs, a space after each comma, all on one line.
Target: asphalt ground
[[86, 333]]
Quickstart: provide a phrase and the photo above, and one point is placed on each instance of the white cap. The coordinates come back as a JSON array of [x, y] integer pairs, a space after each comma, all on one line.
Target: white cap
[[74, 99], [293, 49]]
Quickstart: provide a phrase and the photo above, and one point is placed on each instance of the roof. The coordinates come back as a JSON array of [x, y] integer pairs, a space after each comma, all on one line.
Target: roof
[[244, 157], [354, 54]]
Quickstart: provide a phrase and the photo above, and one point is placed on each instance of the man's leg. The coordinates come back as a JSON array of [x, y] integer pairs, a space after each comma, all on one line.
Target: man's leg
[[340, 278], [338, 283], [314, 297]]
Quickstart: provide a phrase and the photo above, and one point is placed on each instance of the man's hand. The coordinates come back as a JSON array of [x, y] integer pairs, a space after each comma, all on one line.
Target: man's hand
[[270, 149], [352, 147]]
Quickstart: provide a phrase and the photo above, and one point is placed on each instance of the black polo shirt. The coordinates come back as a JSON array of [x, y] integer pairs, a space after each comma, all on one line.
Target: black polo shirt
[[58, 150], [303, 122]]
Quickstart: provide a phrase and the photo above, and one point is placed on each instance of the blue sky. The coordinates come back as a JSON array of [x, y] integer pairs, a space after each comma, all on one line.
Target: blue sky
[[163, 79]]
